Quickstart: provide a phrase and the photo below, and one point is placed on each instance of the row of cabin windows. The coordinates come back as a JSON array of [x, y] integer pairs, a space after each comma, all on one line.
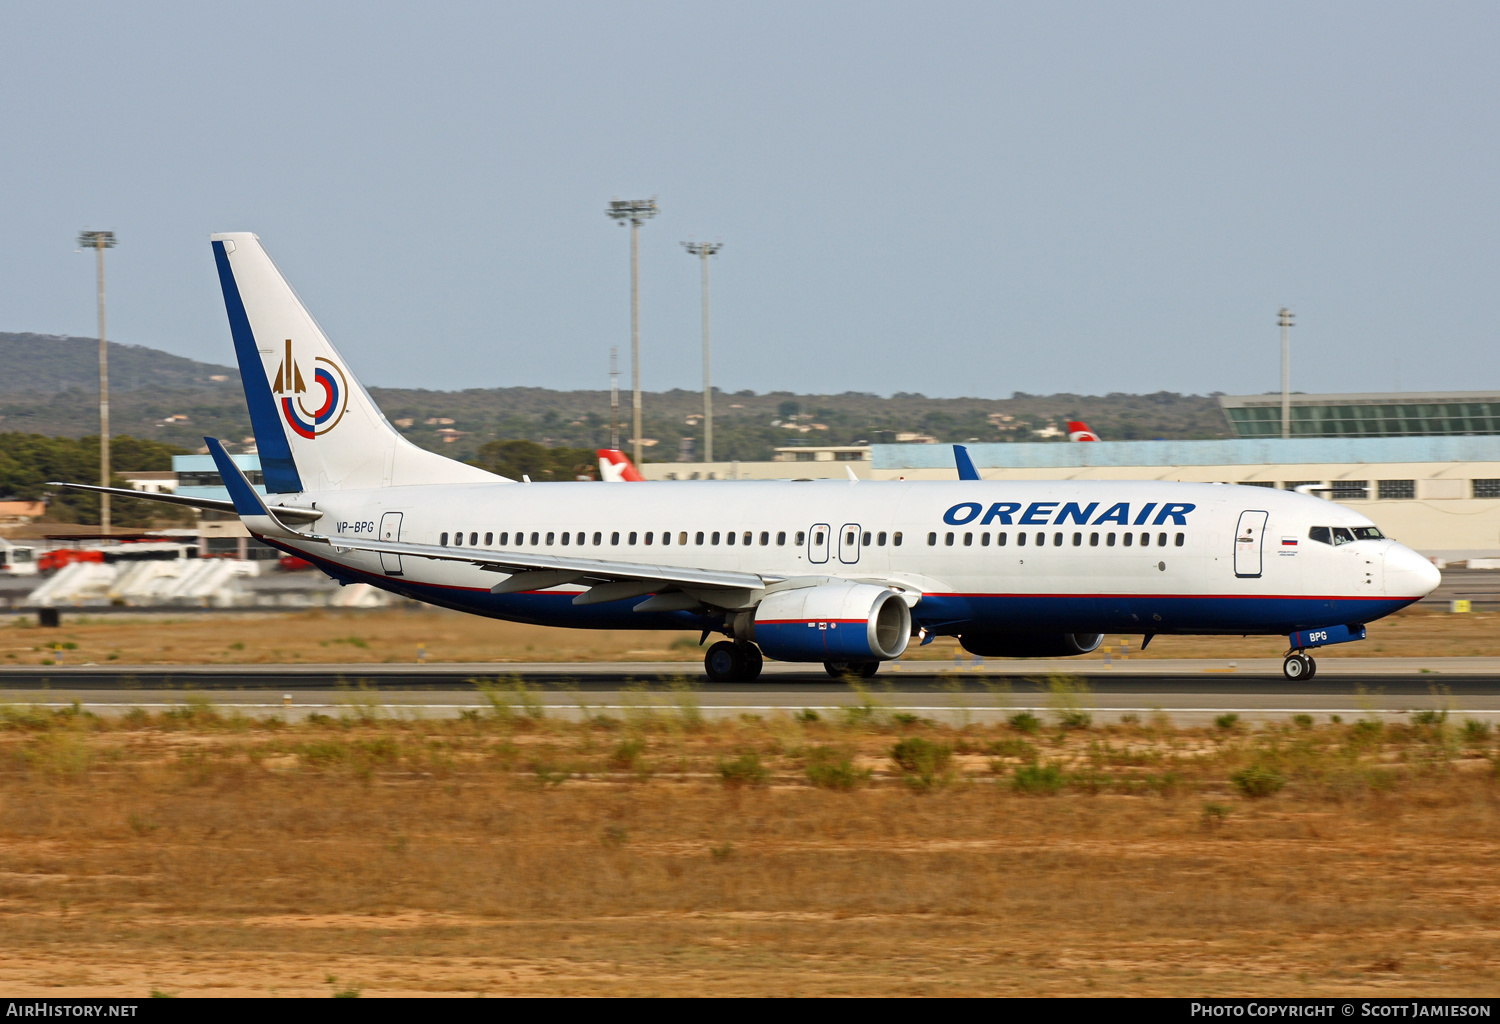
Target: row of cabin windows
[[1058, 539], [581, 538]]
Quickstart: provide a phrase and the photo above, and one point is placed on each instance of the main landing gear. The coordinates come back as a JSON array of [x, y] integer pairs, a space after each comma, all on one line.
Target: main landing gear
[[1299, 666], [732, 661]]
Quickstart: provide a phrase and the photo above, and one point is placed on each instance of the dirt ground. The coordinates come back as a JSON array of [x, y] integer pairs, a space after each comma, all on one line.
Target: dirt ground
[[867, 854], [417, 634]]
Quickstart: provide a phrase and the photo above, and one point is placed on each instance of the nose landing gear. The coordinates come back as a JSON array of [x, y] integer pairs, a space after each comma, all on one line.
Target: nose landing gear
[[732, 661], [1299, 666]]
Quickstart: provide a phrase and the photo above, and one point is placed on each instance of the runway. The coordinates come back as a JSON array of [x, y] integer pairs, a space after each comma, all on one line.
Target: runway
[[1190, 691]]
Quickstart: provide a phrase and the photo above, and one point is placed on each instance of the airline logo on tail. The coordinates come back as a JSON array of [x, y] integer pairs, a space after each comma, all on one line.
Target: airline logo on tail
[[615, 467], [327, 402], [1079, 431]]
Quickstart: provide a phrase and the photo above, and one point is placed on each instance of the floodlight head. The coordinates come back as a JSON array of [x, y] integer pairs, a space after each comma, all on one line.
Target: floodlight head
[[703, 248], [633, 210], [96, 239]]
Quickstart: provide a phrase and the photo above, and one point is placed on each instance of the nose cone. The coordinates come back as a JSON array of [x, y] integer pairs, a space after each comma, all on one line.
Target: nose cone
[[1408, 574]]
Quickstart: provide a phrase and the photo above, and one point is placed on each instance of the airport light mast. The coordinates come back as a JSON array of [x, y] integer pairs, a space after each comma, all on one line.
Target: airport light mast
[[99, 241], [703, 250], [1285, 320], [614, 398], [635, 211]]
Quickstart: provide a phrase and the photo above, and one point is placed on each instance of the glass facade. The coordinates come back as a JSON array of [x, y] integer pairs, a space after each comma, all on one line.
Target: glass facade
[[1382, 416]]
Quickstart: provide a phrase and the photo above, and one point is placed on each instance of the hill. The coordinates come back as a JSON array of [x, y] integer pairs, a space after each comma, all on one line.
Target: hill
[[49, 385]]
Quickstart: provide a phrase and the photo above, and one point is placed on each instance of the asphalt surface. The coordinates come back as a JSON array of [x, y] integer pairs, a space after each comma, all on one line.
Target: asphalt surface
[[1189, 691]]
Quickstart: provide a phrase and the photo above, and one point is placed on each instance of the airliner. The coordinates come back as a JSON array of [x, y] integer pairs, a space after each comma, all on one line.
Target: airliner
[[843, 573]]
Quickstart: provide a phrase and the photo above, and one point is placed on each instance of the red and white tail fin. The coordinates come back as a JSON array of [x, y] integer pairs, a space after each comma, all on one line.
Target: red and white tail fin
[[615, 467], [1079, 431]]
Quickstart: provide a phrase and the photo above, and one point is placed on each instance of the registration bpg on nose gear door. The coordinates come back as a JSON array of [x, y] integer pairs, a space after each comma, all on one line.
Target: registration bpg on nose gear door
[[1249, 539]]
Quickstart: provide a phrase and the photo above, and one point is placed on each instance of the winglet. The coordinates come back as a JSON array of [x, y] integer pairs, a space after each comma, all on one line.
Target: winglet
[[966, 470]]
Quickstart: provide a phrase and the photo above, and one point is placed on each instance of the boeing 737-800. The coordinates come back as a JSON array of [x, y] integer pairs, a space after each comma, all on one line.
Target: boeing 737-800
[[840, 573]]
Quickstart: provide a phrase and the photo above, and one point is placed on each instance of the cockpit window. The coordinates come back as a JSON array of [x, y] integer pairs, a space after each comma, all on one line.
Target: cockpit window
[[1337, 535]]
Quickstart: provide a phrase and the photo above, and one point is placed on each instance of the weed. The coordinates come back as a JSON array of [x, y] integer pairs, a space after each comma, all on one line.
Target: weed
[[906, 718], [1258, 781], [1214, 814], [1011, 748], [613, 836], [923, 763], [627, 755], [686, 699], [829, 769], [157, 993], [237, 646], [1227, 721], [1068, 696], [1302, 721], [1038, 779], [1130, 718], [1336, 719], [1366, 730], [141, 826], [807, 716], [1476, 731], [722, 852], [350, 992], [745, 770], [1024, 721], [1429, 716], [468, 714]]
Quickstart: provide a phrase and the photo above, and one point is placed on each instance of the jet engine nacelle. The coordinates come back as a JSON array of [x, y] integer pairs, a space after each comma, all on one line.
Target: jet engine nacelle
[[1030, 645], [833, 622]]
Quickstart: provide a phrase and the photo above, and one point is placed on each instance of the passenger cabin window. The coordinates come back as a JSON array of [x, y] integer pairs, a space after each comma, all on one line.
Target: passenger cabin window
[[443, 538], [729, 537], [1093, 540], [747, 538], [1128, 538], [631, 538], [1020, 540], [968, 539], [984, 540], [474, 539], [1041, 539], [781, 538], [564, 538], [614, 538], [666, 537], [948, 539], [504, 538], [1057, 540], [818, 537], [1181, 539], [800, 538], [682, 537], [866, 540], [1145, 540], [765, 538], [931, 539], [1000, 540], [489, 539], [534, 536], [1161, 540], [550, 536], [648, 538], [896, 538], [1078, 540], [1109, 540]]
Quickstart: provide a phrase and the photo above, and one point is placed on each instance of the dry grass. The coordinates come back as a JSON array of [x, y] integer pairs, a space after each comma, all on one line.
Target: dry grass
[[509, 854], [397, 636]]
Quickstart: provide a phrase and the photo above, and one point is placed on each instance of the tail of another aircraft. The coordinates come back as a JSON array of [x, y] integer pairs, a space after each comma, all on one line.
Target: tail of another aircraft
[[1079, 431], [615, 466], [315, 425]]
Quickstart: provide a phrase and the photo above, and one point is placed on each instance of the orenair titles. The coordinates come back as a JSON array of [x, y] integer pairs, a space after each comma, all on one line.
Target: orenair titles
[[1044, 513]]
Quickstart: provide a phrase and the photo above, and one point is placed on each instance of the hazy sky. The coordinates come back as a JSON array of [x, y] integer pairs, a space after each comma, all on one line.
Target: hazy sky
[[952, 198]]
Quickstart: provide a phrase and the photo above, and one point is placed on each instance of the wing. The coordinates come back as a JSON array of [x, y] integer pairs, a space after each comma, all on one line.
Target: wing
[[288, 513]]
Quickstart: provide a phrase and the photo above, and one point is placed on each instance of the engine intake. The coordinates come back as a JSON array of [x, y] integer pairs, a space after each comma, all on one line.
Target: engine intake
[[1030, 645], [834, 621]]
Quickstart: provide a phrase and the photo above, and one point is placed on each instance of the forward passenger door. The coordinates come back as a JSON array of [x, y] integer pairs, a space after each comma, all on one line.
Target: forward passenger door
[[1249, 544]]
